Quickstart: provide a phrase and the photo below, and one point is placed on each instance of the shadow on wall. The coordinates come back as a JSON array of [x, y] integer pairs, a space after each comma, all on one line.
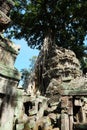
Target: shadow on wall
[[8, 97]]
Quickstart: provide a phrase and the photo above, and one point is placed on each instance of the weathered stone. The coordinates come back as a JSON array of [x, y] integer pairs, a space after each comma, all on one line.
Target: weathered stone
[[60, 78], [9, 75], [64, 122], [6, 5], [56, 63], [20, 126], [57, 77], [4, 19]]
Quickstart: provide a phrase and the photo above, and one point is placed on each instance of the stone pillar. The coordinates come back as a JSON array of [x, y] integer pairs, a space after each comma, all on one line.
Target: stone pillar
[[70, 112], [7, 118], [66, 113], [64, 121], [84, 115]]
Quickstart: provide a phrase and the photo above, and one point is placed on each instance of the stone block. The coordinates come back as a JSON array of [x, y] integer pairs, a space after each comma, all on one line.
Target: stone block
[[77, 102], [20, 126], [7, 53], [64, 122]]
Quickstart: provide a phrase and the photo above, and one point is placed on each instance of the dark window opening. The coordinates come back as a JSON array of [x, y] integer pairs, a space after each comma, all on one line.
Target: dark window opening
[[77, 114], [84, 71], [27, 106], [39, 128]]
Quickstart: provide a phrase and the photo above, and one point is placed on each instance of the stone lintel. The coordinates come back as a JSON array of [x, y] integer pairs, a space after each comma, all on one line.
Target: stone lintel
[[77, 92]]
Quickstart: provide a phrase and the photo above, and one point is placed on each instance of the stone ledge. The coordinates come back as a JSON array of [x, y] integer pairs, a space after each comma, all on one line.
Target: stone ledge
[[8, 47], [5, 71], [8, 86], [81, 92]]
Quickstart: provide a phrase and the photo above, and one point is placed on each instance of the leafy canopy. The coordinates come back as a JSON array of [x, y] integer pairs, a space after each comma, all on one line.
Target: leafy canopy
[[65, 20]]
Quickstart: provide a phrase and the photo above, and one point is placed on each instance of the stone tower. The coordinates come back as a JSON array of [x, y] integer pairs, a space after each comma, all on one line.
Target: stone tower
[[55, 65], [9, 75]]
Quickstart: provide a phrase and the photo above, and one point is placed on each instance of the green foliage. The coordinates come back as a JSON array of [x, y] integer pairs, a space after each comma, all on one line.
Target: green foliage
[[83, 63], [26, 73], [32, 62], [25, 77], [65, 20]]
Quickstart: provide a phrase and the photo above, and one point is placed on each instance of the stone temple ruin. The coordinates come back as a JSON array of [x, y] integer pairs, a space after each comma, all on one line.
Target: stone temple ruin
[[9, 75], [56, 95], [60, 79]]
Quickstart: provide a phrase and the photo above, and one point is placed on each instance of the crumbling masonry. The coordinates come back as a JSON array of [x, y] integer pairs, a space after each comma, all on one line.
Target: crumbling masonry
[[60, 79], [56, 96], [9, 76]]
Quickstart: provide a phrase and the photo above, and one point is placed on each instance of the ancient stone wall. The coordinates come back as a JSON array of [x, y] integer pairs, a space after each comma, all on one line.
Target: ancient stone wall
[[9, 75]]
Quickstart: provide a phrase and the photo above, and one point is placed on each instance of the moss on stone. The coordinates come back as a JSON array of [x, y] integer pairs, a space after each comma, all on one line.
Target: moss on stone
[[12, 73]]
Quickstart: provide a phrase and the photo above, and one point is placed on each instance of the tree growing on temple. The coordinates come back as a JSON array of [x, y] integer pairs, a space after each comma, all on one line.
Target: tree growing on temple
[[63, 21]]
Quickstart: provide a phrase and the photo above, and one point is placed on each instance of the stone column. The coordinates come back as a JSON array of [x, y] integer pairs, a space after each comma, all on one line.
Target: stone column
[[66, 113], [64, 121], [70, 112]]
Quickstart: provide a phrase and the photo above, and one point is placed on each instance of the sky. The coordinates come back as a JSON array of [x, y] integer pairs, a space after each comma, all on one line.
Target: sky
[[24, 55]]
